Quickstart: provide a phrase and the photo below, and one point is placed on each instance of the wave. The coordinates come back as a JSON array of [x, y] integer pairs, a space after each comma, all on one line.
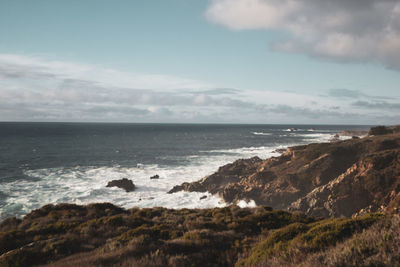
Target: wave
[[84, 185], [263, 152], [87, 184], [261, 133], [306, 130]]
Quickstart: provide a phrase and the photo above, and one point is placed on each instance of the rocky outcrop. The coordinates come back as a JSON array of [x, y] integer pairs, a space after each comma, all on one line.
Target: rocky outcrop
[[123, 183], [344, 178], [230, 173], [383, 130], [353, 133], [371, 184]]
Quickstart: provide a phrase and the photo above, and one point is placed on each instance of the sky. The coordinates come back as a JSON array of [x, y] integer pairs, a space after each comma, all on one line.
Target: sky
[[194, 61]]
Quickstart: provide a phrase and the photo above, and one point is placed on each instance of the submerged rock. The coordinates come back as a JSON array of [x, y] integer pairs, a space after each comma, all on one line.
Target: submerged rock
[[123, 183], [155, 177]]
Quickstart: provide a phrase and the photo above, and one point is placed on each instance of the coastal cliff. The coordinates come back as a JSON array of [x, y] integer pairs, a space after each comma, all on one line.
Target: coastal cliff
[[341, 178], [356, 180]]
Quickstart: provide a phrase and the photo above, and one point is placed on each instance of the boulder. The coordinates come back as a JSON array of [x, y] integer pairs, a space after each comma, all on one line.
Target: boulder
[[155, 177], [122, 183]]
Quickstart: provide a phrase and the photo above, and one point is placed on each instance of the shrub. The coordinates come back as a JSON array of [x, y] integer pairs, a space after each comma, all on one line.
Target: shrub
[[299, 239], [379, 130]]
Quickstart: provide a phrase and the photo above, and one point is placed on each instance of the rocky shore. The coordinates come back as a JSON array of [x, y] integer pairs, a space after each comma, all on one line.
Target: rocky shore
[[342, 178], [332, 204]]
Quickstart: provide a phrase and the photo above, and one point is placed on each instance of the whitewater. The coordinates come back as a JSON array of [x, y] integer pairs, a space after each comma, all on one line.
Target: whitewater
[[69, 179]]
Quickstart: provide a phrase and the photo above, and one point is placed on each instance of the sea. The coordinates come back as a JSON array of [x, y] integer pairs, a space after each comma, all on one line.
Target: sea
[[43, 163]]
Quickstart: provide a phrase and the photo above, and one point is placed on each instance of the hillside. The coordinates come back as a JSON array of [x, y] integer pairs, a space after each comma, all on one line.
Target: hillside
[[341, 178], [105, 235]]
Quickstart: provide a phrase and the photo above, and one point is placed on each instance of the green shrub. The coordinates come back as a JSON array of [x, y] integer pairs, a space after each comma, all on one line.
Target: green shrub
[[21, 257], [276, 241], [308, 238]]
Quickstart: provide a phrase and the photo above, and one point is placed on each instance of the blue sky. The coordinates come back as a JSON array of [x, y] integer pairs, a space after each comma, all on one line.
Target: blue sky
[[228, 61]]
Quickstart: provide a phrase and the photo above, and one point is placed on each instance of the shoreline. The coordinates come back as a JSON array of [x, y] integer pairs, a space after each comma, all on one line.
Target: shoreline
[[103, 234], [315, 178], [147, 201]]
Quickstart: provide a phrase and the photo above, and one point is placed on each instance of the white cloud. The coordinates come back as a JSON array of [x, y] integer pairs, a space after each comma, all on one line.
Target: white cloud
[[346, 30], [35, 89], [19, 66]]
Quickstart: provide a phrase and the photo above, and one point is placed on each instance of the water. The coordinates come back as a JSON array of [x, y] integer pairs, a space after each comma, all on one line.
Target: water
[[44, 163]]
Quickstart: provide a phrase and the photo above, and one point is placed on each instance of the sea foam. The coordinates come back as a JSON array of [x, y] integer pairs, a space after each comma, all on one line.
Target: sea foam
[[85, 184]]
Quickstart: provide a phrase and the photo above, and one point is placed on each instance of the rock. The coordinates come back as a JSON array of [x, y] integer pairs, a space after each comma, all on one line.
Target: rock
[[329, 179], [155, 177], [203, 197], [177, 188], [189, 187], [280, 150], [354, 133], [123, 183], [335, 138]]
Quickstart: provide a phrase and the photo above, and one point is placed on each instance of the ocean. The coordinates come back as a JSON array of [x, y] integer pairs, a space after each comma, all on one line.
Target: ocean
[[43, 163]]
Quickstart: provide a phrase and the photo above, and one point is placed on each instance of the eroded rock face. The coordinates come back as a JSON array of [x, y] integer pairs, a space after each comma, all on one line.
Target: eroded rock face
[[230, 173], [123, 183], [329, 179]]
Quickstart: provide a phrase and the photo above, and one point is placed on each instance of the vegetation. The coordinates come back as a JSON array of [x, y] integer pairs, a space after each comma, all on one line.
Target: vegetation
[[380, 130], [378, 245], [108, 235], [104, 235], [298, 239]]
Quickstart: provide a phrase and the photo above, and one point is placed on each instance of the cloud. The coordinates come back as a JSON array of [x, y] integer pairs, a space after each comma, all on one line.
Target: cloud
[[347, 93], [220, 91], [309, 113], [343, 30], [377, 105], [35, 89]]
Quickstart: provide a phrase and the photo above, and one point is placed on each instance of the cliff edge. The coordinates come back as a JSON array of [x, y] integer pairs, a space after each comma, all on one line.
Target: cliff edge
[[341, 178]]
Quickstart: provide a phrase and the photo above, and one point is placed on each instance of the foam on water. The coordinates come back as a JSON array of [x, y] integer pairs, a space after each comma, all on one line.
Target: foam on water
[[244, 204], [315, 137], [83, 185], [261, 133]]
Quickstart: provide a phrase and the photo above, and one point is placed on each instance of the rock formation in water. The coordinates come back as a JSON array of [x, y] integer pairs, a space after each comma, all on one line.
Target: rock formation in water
[[122, 183]]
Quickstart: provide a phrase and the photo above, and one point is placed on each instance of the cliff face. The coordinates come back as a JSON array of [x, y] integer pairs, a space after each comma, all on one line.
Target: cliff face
[[329, 179]]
